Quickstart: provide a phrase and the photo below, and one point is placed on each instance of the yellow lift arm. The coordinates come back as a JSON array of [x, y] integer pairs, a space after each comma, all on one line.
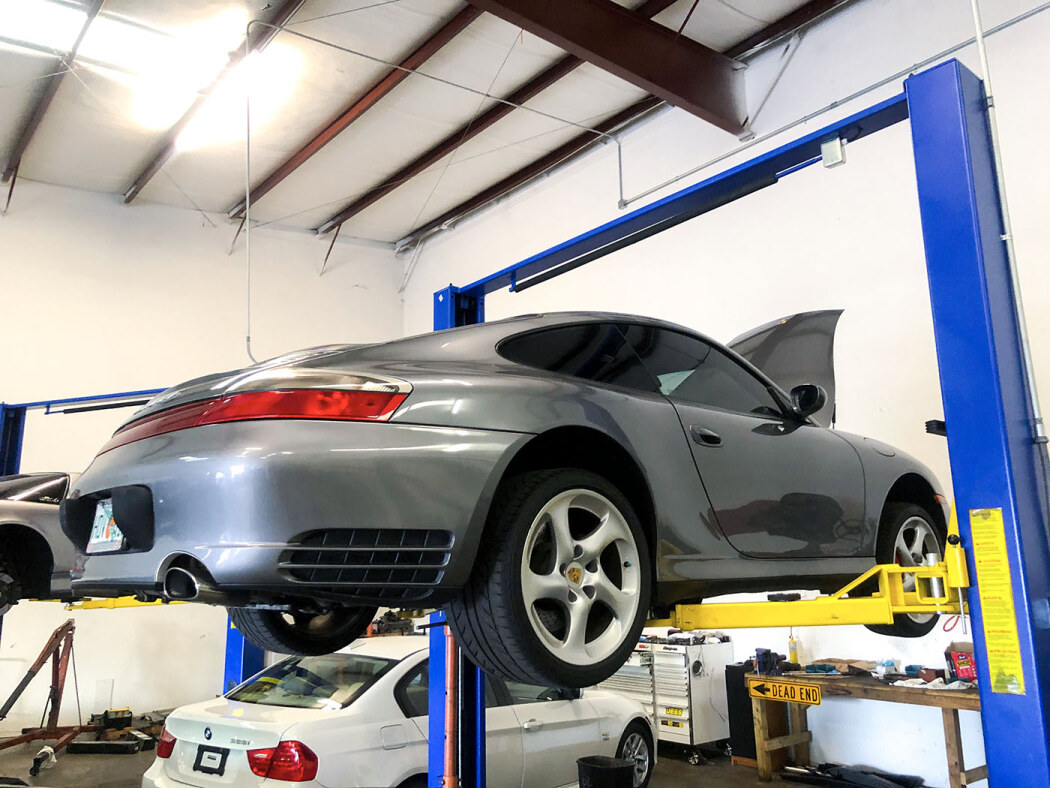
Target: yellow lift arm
[[938, 589]]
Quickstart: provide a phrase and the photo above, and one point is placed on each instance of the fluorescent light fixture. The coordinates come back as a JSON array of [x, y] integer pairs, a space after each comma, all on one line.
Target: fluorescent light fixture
[[270, 76], [166, 70], [42, 23]]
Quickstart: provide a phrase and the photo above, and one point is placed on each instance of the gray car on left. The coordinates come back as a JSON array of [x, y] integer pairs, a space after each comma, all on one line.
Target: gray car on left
[[35, 556]]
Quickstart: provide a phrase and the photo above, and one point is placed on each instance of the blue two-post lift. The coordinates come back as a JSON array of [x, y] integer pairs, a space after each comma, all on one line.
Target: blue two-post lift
[[998, 461]]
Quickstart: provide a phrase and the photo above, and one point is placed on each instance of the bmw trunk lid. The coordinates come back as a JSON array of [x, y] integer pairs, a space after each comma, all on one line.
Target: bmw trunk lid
[[213, 738]]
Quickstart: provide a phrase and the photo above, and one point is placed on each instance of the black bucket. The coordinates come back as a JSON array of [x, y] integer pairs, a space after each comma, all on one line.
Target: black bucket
[[601, 771]]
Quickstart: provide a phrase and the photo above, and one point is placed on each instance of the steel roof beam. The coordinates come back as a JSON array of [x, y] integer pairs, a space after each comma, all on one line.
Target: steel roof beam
[[534, 169], [258, 38], [359, 107], [540, 82], [798, 19], [40, 110], [676, 68]]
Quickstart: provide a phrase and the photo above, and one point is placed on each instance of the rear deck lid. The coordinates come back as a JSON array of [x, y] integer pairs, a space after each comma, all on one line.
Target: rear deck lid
[[213, 739]]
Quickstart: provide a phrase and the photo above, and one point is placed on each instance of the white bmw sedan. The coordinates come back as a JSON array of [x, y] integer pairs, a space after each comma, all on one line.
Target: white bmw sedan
[[359, 718]]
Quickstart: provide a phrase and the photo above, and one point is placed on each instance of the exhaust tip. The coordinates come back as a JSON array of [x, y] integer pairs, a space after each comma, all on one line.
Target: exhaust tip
[[180, 584]]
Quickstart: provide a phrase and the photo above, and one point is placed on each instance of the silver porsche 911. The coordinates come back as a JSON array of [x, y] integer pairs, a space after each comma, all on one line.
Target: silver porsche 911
[[549, 479]]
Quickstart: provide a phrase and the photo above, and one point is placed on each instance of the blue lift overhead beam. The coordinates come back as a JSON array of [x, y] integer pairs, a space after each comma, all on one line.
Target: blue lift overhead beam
[[996, 463]]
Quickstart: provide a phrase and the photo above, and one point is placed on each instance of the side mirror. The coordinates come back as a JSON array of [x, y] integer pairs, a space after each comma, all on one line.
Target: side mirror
[[807, 399], [570, 694]]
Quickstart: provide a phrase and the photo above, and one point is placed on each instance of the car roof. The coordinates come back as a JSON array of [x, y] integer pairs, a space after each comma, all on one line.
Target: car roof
[[388, 647], [477, 342]]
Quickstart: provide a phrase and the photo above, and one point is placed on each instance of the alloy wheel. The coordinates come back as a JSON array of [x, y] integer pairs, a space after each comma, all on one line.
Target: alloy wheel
[[636, 748], [580, 576], [915, 539]]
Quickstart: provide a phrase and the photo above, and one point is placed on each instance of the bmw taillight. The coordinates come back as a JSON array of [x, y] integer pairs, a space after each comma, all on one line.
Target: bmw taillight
[[365, 402], [165, 744], [291, 761]]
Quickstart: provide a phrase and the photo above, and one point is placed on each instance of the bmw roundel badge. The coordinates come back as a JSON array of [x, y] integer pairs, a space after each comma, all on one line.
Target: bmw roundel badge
[[207, 734]]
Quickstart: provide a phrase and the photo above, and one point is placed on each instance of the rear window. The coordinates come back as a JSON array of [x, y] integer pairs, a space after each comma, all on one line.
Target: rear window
[[592, 351], [34, 487], [332, 681]]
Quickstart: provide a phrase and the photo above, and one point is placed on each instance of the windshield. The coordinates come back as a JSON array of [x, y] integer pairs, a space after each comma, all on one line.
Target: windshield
[[34, 487], [332, 681]]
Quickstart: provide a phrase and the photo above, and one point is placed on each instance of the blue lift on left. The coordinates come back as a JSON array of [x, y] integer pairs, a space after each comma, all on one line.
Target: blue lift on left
[[243, 659]]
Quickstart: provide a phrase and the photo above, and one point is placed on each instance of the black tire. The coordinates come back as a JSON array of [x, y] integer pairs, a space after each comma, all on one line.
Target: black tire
[[638, 728], [305, 634], [896, 517], [10, 588], [415, 781], [490, 618]]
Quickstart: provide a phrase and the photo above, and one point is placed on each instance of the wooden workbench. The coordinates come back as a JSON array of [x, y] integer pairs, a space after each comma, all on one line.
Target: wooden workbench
[[950, 702]]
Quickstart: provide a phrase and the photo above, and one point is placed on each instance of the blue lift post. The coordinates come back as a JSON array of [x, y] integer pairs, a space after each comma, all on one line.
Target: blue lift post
[[243, 659], [451, 310], [999, 470]]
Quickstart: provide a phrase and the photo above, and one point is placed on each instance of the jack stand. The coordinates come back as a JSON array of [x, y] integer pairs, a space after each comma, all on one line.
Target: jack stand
[[59, 649]]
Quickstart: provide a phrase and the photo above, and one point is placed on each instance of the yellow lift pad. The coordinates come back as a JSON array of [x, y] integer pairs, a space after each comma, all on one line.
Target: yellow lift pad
[[787, 691]]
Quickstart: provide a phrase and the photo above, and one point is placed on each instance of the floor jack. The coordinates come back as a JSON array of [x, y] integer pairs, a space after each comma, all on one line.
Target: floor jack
[[59, 649]]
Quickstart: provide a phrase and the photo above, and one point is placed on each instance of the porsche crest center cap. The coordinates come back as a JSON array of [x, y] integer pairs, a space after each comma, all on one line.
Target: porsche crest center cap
[[575, 575]]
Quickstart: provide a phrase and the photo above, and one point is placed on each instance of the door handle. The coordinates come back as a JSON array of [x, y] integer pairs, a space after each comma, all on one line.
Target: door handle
[[532, 725], [705, 437]]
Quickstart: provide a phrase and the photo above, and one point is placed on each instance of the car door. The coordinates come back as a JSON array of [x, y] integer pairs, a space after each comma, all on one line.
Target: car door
[[557, 728], [781, 487], [503, 734]]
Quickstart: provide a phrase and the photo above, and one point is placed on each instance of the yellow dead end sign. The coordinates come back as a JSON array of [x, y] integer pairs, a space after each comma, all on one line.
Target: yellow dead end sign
[[786, 691]]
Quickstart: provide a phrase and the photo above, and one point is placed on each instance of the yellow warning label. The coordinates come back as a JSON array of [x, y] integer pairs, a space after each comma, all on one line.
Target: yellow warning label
[[788, 692], [997, 600]]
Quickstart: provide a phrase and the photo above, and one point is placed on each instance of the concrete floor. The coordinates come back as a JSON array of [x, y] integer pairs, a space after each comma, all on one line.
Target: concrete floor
[[125, 771]]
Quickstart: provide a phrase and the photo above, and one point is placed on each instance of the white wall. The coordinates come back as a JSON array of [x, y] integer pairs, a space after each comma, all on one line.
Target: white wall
[[98, 298], [847, 237]]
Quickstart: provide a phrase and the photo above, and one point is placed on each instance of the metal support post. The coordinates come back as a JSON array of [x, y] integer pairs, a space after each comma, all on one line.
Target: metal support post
[[465, 702], [12, 428], [456, 714], [454, 308], [243, 659], [999, 470]]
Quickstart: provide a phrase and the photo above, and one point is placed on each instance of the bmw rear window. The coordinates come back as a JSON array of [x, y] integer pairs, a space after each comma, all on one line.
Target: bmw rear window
[[332, 681]]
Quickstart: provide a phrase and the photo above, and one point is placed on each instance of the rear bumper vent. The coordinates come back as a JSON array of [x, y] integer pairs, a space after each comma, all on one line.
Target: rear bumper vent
[[381, 563]]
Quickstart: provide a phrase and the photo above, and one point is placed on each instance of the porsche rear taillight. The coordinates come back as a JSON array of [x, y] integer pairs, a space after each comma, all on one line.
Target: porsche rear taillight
[[291, 761], [364, 404], [165, 744]]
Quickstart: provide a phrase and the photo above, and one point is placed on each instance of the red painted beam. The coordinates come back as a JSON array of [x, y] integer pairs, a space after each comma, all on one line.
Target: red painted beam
[[260, 36], [574, 147], [483, 121], [581, 143], [355, 110], [540, 82], [681, 71], [40, 110]]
